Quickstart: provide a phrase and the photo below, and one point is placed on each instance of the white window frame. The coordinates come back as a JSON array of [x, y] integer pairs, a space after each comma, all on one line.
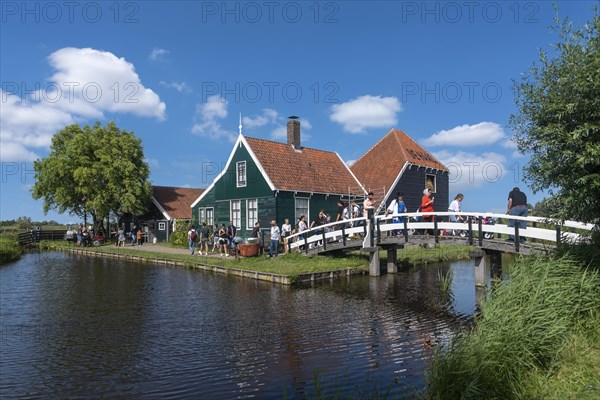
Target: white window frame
[[162, 226], [210, 220], [237, 222], [249, 221], [307, 214], [434, 182], [201, 215], [241, 180]]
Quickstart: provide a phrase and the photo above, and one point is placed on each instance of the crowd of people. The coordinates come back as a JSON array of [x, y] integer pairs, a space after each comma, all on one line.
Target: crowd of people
[[224, 239]]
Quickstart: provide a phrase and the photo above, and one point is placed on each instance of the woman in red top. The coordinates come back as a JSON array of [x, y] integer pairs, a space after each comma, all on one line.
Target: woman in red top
[[427, 206]]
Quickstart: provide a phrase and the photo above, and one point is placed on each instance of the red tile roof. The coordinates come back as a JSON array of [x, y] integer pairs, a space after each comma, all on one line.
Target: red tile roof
[[381, 164], [308, 170], [176, 201]]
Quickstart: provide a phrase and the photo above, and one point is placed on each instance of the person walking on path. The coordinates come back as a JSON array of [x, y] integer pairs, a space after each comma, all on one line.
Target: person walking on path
[[286, 230], [204, 235], [223, 241], [231, 233], [215, 236], [517, 206], [256, 234], [134, 235], [274, 242], [192, 237], [121, 235]]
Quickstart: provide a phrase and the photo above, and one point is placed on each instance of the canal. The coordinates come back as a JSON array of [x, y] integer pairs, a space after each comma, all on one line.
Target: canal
[[82, 327]]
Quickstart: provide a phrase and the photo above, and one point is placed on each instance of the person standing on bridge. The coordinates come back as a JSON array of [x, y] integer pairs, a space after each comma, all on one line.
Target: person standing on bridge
[[397, 206], [369, 204], [427, 206], [517, 205], [455, 206]]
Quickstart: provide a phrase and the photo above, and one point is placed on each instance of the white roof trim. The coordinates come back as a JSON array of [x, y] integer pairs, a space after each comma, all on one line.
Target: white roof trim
[[241, 139], [351, 173], [258, 164], [161, 209], [391, 189]]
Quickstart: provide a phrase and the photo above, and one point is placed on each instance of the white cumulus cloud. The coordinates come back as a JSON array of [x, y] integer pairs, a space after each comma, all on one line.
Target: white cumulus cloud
[[208, 116], [481, 134], [276, 124], [471, 170], [366, 112], [268, 116], [86, 84], [179, 86], [158, 54]]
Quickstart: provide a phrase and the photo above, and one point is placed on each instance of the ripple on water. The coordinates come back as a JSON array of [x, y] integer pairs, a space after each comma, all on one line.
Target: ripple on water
[[81, 327]]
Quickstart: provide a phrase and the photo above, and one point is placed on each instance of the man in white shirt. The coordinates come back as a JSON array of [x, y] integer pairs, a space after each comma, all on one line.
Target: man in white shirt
[[274, 242]]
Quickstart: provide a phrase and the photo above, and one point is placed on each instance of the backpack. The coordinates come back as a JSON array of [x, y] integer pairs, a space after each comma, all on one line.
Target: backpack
[[194, 236]]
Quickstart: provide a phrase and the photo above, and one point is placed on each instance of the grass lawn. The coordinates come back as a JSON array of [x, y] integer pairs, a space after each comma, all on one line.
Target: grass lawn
[[290, 264]]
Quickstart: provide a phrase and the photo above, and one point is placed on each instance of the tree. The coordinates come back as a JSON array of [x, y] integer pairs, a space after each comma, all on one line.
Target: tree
[[93, 171], [558, 121], [548, 207]]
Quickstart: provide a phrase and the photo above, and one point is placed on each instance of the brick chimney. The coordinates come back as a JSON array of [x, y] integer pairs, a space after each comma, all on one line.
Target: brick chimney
[[293, 132]]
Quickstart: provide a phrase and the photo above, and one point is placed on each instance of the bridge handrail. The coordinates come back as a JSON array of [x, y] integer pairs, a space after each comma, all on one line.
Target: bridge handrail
[[311, 231], [569, 224], [331, 224]]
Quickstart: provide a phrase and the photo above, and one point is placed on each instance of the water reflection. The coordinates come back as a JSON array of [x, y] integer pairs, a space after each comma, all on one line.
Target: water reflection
[[74, 326]]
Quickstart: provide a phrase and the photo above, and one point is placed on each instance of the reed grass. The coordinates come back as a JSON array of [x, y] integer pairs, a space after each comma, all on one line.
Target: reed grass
[[521, 330], [446, 283]]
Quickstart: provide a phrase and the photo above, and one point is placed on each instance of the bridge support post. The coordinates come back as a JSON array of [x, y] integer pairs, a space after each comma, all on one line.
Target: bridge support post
[[392, 259], [370, 243], [374, 263], [482, 268], [496, 264]]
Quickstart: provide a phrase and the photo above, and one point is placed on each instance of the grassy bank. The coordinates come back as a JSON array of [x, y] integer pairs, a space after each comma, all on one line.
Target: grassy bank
[[9, 250], [290, 264], [538, 337], [416, 255]]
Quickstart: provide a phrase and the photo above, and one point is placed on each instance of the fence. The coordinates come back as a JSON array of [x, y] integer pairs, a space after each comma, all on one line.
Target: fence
[[27, 238]]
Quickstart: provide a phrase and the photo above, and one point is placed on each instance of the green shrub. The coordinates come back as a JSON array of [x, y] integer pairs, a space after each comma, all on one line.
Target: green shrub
[[179, 239], [9, 250]]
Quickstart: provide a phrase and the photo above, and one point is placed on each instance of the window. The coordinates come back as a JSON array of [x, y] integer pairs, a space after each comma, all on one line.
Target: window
[[210, 216], [302, 208], [240, 168], [162, 226], [251, 213], [236, 213], [201, 215], [430, 182]]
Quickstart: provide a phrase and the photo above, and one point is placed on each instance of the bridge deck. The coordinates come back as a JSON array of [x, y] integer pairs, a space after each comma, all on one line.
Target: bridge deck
[[424, 240]]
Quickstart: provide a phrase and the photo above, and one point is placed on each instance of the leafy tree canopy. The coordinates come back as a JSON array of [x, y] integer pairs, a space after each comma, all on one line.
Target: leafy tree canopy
[[558, 121], [93, 171]]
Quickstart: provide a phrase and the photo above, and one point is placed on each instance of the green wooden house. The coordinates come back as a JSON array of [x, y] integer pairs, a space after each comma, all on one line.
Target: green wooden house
[[265, 180]]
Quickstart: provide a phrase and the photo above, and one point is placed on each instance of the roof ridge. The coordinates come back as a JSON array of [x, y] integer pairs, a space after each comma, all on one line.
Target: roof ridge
[[399, 143], [373, 146], [421, 147], [285, 144], [177, 187]]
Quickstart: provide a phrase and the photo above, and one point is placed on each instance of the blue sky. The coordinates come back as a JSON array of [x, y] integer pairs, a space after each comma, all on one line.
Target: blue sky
[[178, 74]]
